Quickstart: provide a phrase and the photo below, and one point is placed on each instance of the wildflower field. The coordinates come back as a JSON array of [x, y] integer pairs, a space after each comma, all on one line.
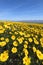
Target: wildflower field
[[21, 43]]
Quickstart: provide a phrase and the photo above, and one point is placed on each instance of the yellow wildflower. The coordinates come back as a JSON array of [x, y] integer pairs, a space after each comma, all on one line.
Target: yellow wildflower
[[16, 33], [42, 34], [10, 32], [15, 43], [25, 51], [26, 35], [25, 45], [30, 40], [1, 31], [41, 44], [39, 55], [41, 40], [1, 27], [13, 37], [26, 60], [7, 40], [20, 40], [36, 36], [21, 33], [34, 49], [14, 50], [26, 42], [32, 35], [4, 56], [3, 43], [2, 38], [36, 42]]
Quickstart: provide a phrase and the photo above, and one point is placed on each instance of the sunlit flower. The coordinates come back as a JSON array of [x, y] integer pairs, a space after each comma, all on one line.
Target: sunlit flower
[[34, 49], [13, 37], [39, 54], [2, 38], [7, 40], [30, 40], [25, 45], [26, 60], [14, 50], [41, 40], [15, 43], [26, 42], [25, 51], [1, 27], [21, 33], [20, 40], [36, 42], [2, 31], [3, 43], [4, 56]]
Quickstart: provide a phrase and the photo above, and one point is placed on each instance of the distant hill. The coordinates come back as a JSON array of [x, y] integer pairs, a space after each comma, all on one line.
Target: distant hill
[[33, 21], [28, 21]]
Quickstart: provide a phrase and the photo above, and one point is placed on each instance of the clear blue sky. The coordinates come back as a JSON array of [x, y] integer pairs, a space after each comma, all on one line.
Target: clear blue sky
[[21, 9]]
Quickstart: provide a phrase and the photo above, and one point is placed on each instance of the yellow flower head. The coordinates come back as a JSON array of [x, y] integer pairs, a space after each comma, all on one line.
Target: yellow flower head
[[26, 35], [16, 33], [36, 36], [26, 60], [3, 43], [26, 42], [2, 38], [15, 43], [25, 51], [42, 34], [39, 55], [2, 31], [21, 33], [4, 56], [41, 40], [34, 49], [14, 50], [25, 45], [7, 40], [20, 40], [30, 40], [1, 27], [13, 37], [36, 42]]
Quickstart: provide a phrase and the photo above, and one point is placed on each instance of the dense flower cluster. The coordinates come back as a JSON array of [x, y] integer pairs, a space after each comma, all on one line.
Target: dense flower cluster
[[21, 43]]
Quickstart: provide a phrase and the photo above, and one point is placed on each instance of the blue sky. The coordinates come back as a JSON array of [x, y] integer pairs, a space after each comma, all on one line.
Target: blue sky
[[21, 10]]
